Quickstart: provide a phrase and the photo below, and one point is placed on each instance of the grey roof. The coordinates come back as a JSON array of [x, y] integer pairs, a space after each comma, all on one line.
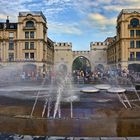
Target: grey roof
[[39, 13], [129, 11]]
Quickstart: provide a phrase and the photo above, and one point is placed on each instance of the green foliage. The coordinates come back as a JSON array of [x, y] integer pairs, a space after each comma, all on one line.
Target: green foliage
[[80, 63]]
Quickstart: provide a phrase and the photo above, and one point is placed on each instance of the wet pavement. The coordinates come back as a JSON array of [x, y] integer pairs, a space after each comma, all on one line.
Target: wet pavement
[[99, 114]]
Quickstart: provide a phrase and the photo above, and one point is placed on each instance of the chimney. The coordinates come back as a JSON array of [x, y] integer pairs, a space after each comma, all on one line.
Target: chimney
[[7, 20]]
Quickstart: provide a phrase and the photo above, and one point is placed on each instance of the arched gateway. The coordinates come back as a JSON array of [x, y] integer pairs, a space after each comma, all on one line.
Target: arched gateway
[[89, 59], [81, 63]]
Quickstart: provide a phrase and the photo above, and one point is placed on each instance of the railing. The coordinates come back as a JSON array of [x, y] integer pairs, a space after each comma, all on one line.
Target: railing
[[133, 59], [132, 26], [29, 28], [22, 60], [29, 49]]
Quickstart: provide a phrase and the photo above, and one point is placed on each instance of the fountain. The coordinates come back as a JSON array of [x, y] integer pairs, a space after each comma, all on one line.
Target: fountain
[[37, 98], [102, 86], [62, 106], [71, 100], [89, 90]]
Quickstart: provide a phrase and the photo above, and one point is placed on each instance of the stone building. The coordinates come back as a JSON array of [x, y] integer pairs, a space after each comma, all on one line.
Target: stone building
[[99, 55], [124, 51], [26, 43], [63, 56]]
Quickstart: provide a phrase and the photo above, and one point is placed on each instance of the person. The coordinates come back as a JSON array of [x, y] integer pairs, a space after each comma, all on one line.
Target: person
[[23, 76]]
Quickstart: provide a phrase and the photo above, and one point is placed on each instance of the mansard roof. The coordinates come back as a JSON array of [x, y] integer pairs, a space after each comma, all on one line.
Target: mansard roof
[[34, 13]]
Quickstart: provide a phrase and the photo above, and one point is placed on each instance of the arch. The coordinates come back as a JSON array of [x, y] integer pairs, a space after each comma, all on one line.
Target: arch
[[63, 69], [100, 67], [119, 66], [134, 22], [28, 68], [81, 63], [29, 15], [134, 67], [29, 23]]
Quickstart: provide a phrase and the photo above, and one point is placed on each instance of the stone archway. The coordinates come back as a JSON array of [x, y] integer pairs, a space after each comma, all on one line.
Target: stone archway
[[29, 70], [134, 67], [100, 67], [63, 69], [81, 63]]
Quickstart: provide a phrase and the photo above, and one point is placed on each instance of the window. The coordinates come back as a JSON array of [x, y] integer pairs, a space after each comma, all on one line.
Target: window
[[132, 44], [26, 55], [31, 45], [26, 45], [32, 55], [137, 44], [131, 33], [12, 26], [26, 34], [11, 56], [137, 55], [29, 24], [11, 35], [137, 32], [131, 55], [31, 34], [134, 22], [11, 45]]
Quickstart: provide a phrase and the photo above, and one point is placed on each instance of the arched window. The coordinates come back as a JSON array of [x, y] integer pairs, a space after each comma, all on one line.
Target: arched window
[[29, 24], [134, 22]]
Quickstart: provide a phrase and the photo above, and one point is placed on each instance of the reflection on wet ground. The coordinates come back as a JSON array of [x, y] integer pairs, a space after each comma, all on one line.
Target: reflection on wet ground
[[4, 136], [98, 114]]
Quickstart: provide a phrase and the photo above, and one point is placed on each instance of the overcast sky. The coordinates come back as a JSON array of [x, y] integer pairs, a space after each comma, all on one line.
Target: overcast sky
[[76, 21]]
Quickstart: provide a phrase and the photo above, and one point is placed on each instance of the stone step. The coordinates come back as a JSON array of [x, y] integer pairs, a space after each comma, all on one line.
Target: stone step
[[94, 138]]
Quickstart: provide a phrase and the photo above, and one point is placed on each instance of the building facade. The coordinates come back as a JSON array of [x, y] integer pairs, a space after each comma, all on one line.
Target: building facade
[[98, 52], [125, 48], [26, 43], [64, 57]]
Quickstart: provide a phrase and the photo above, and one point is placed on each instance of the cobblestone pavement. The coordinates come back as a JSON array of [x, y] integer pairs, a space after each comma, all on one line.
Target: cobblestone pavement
[[97, 138], [28, 137]]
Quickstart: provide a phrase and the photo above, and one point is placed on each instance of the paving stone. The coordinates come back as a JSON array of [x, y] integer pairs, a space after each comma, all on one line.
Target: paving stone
[[84, 138], [74, 138], [113, 138], [88, 138], [133, 138]]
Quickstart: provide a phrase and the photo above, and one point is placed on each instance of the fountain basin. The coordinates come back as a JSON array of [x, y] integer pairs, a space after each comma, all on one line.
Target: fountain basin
[[116, 90], [103, 86], [71, 99], [89, 90]]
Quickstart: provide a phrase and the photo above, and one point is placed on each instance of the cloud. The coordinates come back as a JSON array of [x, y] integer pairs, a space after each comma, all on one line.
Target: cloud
[[3, 17], [11, 8], [50, 2], [118, 5], [73, 17], [61, 28], [100, 22]]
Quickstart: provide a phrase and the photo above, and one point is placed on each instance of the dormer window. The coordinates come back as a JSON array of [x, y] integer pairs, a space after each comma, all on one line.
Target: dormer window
[[11, 26], [29, 24], [134, 22]]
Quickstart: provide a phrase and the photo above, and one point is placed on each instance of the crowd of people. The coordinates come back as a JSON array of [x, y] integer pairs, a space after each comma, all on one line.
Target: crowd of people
[[78, 76], [91, 76]]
